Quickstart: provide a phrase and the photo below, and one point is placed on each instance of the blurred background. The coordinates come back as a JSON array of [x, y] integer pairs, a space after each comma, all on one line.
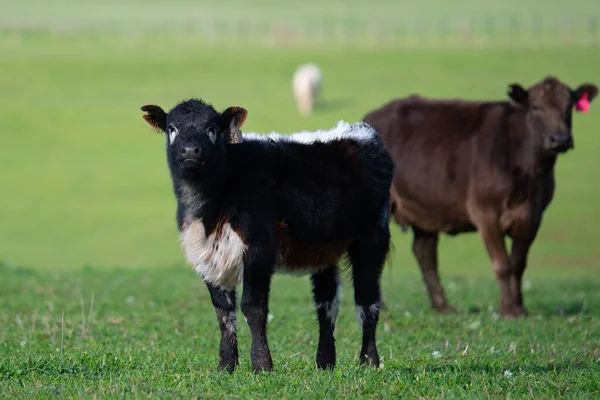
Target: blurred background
[[84, 180]]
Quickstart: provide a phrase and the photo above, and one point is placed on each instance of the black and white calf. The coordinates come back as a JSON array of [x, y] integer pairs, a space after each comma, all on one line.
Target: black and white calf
[[249, 206]]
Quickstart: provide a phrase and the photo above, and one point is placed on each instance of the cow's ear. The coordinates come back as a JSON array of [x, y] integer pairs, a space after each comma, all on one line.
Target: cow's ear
[[155, 117], [589, 89], [232, 120], [583, 96], [517, 94]]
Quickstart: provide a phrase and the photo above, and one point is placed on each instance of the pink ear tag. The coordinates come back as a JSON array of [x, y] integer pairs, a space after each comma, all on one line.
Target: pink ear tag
[[583, 104]]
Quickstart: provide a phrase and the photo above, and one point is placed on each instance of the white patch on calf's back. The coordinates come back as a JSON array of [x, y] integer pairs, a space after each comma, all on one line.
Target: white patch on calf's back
[[218, 258], [358, 131]]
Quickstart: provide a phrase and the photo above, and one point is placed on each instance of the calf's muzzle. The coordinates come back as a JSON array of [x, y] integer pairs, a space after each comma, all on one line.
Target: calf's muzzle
[[191, 153]]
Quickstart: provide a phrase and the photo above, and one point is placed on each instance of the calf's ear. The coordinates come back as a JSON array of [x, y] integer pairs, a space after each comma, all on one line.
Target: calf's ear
[[517, 94], [155, 117], [232, 120]]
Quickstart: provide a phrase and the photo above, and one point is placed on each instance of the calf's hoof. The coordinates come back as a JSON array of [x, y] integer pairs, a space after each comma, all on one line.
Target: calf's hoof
[[259, 369], [227, 366], [265, 365], [369, 360], [326, 361]]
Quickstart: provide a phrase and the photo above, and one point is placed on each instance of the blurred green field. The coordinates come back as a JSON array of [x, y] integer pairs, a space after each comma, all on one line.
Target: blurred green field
[[87, 212], [137, 15], [392, 23], [85, 180]]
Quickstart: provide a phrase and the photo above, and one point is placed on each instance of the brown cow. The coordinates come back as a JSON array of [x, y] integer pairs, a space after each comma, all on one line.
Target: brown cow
[[465, 166]]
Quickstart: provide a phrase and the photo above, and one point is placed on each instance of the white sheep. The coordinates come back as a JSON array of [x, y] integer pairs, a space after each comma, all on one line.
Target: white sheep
[[307, 84]]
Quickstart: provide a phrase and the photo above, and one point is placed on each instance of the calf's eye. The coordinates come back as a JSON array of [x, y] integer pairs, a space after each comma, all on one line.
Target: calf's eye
[[212, 135], [172, 131]]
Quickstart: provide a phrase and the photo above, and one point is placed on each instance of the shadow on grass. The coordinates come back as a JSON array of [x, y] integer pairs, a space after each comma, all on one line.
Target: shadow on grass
[[331, 105], [16, 269], [565, 309]]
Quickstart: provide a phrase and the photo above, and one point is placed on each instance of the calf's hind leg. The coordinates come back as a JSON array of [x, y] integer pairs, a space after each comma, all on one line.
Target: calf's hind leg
[[425, 249], [367, 256], [326, 293]]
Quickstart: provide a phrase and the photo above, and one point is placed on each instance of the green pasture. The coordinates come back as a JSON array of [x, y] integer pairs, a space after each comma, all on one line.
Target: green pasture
[[96, 298]]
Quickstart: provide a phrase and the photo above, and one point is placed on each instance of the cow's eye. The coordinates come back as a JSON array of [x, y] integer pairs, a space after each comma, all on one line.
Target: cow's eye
[[172, 131]]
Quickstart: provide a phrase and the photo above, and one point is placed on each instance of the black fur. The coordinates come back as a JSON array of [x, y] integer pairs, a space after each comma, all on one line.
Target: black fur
[[293, 204]]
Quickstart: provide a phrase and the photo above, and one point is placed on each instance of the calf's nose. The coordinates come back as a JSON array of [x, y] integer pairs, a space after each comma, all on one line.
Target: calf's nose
[[190, 152]]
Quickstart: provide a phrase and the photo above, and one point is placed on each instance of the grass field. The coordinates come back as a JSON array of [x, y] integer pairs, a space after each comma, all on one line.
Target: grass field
[[145, 333], [97, 300]]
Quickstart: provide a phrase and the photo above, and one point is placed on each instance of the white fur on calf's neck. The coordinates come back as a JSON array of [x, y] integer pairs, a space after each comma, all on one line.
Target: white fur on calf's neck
[[219, 257]]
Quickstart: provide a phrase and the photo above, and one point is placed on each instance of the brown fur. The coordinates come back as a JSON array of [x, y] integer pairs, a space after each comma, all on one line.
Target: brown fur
[[463, 166], [155, 116], [239, 114], [296, 255]]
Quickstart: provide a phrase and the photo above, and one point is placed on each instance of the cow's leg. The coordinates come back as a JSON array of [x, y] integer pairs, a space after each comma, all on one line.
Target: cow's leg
[[258, 271], [326, 292], [367, 256], [425, 249], [523, 236], [224, 302], [518, 258], [493, 238]]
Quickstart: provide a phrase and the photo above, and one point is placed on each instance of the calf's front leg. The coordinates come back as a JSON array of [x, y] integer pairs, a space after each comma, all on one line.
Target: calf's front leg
[[224, 302], [255, 307]]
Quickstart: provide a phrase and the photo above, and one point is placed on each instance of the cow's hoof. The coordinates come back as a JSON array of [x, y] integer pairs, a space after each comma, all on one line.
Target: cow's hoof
[[445, 309], [513, 312]]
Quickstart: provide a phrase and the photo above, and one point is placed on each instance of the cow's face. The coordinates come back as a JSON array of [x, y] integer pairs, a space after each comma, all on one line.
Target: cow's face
[[196, 135], [549, 106]]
